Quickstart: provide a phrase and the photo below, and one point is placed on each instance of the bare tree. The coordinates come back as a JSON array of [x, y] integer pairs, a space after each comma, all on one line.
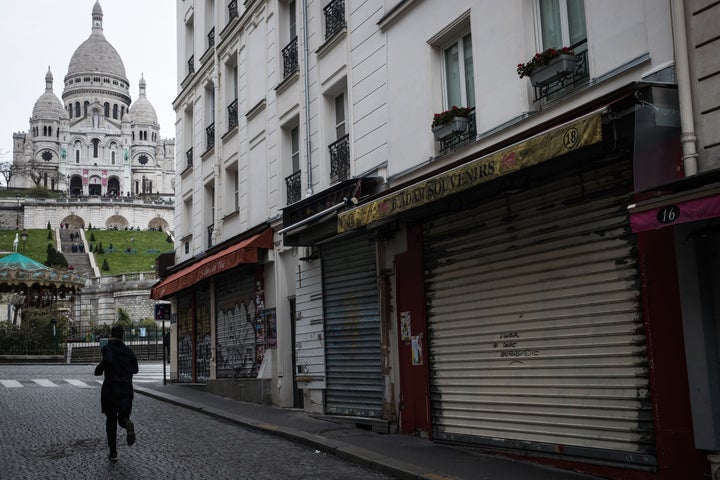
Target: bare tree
[[32, 169], [6, 170]]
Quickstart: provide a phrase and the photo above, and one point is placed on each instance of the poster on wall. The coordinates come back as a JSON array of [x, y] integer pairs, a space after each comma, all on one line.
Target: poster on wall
[[271, 328], [405, 326], [417, 353]]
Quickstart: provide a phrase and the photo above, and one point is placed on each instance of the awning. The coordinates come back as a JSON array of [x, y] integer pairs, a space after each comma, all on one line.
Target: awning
[[689, 206], [553, 143], [242, 252]]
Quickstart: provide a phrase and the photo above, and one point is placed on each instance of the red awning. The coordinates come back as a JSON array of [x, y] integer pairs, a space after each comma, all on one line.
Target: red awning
[[242, 252], [671, 210]]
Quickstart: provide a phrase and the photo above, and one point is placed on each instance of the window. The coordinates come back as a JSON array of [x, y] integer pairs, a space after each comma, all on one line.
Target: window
[[292, 19], [210, 115], [115, 111], [340, 116], [112, 158], [293, 182], [340, 148], [189, 45], [295, 148], [210, 22], [86, 105], [290, 51], [107, 110], [77, 109], [236, 191], [562, 23], [334, 17], [459, 74], [96, 145]]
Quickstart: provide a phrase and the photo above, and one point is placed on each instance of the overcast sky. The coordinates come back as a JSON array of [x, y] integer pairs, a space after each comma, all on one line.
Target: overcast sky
[[35, 34]]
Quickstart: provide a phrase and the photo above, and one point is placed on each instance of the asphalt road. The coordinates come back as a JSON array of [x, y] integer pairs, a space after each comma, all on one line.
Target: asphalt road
[[51, 428]]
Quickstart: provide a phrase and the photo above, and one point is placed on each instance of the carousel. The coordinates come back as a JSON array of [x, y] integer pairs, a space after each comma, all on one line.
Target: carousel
[[25, 283]]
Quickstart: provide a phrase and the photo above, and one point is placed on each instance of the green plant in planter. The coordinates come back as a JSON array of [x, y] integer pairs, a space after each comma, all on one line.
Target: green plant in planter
[[443, 118], [541, 59]]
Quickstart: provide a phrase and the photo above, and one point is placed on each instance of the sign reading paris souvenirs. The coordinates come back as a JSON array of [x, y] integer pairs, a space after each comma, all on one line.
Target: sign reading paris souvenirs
[[535, 150]]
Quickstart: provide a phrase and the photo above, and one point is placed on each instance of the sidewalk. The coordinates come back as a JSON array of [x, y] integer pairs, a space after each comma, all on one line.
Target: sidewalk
[[398, 455]]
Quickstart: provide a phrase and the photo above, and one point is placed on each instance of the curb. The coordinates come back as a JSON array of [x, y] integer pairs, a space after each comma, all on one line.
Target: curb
[[339, 449]]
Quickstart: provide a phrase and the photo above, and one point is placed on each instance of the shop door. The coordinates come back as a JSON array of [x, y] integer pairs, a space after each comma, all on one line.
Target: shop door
[[535, 325], [353, 361], [412, 341]]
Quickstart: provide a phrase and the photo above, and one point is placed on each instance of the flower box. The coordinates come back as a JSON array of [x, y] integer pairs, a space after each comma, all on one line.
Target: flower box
[[456, 126], [559, 67]]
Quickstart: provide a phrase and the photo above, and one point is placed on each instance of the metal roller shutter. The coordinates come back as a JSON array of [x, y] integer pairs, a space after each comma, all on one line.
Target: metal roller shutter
[[352, 329], [536, 337], [235, 314]]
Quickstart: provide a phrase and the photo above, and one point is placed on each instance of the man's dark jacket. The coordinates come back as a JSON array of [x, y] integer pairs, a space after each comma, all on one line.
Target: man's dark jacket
[[119, 364]]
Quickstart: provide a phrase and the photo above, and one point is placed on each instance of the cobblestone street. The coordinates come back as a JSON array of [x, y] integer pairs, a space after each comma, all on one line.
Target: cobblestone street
[[52, 428]]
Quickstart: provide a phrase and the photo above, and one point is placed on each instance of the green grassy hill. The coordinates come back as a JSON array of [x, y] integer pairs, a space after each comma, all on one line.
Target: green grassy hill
[[125, 251]]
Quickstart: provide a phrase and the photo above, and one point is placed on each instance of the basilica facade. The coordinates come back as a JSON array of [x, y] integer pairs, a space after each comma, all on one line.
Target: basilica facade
[[96, 141]]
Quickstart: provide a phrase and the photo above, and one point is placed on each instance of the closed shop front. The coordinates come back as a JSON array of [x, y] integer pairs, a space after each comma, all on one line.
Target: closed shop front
[[536, 338], [352, 328], [193, 327], [237, 324]]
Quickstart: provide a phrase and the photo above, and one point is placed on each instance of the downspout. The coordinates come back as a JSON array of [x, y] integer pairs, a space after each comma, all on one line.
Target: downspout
[[306, 68], [688, 138], [218, 200]]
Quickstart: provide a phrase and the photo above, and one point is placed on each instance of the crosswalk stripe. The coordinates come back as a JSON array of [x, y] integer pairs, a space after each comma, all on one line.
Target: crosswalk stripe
[[11, 383], [43, 382], [78, 383]]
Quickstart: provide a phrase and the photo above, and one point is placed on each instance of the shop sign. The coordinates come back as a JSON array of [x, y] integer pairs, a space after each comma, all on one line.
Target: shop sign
[[535, 150]]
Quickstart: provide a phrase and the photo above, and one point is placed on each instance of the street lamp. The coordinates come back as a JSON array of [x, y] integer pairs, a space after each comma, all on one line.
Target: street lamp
[[24, 237]]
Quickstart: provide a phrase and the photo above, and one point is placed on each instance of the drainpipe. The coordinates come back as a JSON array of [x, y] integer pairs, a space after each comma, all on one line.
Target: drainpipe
[[688, 138], [306, 68]]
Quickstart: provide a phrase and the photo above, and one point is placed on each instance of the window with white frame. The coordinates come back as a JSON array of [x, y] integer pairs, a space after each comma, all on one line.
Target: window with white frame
[[459, 72], [231, 190], [340, 116], [293, 182], [562, 24], [340, 148]]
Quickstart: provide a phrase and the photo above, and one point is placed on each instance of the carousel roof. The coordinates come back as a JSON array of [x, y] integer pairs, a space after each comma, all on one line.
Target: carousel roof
[[16, 269]]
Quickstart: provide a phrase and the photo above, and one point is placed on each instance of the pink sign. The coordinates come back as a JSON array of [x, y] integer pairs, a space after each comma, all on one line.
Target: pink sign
[[675, 213]]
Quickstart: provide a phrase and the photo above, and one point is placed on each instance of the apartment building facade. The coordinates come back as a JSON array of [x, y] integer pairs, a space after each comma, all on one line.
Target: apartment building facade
[[352, 244]]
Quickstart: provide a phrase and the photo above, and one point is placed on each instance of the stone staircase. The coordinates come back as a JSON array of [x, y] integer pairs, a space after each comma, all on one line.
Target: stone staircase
[[79, 260]]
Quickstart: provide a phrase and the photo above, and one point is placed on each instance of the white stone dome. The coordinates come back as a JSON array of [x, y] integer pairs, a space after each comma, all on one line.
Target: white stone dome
[[48, 106], [142, 111], [96, 55]]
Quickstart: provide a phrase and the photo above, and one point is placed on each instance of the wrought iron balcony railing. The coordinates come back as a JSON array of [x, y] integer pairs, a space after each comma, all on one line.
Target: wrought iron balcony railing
[[340, 159], [579, 76], [232, 10], [293, 185], [232, 110], [211, 38], [461, 138], [290, 58], [210, 131], [334, 17], [191, 65], [189, 158], [210, 230]]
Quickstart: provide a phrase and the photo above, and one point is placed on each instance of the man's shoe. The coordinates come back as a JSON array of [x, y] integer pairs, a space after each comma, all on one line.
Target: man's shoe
[[130, 432], [113, 457]]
